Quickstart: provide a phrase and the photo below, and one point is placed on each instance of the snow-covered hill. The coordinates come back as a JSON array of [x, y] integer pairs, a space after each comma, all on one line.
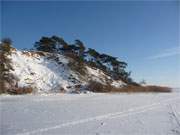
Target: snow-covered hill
[[52, 72]]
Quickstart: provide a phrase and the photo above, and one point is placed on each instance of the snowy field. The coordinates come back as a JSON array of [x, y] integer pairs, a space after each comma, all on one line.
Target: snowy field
[[91, 114]]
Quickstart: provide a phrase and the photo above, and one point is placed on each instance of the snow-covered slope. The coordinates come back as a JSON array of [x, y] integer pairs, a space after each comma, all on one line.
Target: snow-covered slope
[[47, 72]]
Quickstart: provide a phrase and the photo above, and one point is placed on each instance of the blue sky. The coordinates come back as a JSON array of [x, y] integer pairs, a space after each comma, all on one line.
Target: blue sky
[[144, 34]]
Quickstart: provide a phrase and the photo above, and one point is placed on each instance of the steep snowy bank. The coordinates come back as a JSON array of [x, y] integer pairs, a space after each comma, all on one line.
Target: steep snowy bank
[[40, 72], [47, 72]]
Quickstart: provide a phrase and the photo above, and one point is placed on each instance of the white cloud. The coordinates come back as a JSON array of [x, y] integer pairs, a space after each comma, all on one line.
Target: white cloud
[[166, 53]]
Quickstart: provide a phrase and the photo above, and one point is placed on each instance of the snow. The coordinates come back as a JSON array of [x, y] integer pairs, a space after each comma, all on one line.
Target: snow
[[40, 72], [118, 83], [88, 57], [108, 65], [91, 114], [96, 74], [99, 76], [50, 72]]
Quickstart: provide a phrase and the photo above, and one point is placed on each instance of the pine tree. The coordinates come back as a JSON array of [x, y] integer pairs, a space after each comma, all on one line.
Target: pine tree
[[45, 44], [81, 47], [60, 43], [93, 53]]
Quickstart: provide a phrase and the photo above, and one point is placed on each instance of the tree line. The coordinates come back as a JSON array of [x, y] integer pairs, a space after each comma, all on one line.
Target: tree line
[[55, 44], [76, 50]]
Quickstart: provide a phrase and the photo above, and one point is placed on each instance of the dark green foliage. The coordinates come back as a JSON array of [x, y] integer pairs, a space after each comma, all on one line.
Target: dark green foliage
[[81, 47], [93, 53], [6, 41], [81, 59], [60, 43], [77, 51], [5, 46], [59, 40], [78, 66], [73, 48], [118, 67], [45, 44]]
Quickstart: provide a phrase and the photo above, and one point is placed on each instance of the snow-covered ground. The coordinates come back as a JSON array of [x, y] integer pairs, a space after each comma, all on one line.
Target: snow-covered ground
[[91, 114]]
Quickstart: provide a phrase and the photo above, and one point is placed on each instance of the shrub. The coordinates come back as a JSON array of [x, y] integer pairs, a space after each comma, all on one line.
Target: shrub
[[95, 86], [62, 90], [77, 66], [21, 90], [135, 88], [158, 89]]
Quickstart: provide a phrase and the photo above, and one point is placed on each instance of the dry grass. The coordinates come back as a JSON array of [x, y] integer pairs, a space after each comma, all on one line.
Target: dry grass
[[132, 88], [98, 87], [77, 66], [21, 90], [95, 86], [34, 53]]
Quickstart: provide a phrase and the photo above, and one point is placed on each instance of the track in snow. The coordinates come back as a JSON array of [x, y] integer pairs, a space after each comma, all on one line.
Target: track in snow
[[129, 112]]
